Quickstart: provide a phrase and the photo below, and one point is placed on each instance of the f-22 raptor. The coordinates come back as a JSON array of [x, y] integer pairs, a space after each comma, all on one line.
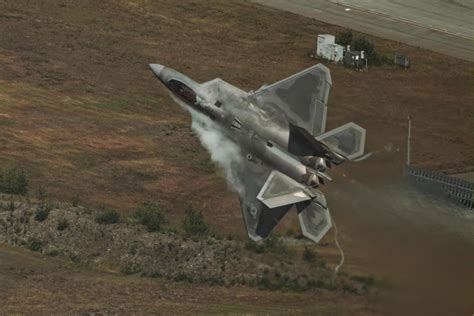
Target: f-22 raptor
[[280, 130]]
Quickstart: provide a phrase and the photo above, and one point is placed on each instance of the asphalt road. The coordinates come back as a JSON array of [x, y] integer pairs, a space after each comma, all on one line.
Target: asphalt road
[[444, 26]]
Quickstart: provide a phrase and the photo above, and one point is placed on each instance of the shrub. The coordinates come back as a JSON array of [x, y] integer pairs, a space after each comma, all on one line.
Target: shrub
[[270, 244], [308, 255], [74, 257], [286, 283], [42, 194], [35, 244], [75, 200], [344, 38], [231, 236], [348, 288], [107, 216], [14, 181], [362, 43], [256, 247], [194, 223], [149, 215], [11, 206], [62, 224], [42, 212], [183, 277], [130, 268], [366, 281], [275, 245], [53, 253]]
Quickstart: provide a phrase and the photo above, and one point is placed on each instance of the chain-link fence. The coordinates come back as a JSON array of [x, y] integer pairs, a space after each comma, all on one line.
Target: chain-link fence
[[456, 189]]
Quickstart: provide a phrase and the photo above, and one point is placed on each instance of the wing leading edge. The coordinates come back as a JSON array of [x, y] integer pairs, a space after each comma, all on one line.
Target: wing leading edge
[[302, 97]]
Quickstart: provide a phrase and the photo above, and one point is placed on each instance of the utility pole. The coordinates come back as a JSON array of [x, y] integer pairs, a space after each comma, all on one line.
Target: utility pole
[[408, 140]]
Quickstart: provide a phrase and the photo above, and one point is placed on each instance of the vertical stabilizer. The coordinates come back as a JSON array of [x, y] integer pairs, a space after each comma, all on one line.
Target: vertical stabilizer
[[348, 140]]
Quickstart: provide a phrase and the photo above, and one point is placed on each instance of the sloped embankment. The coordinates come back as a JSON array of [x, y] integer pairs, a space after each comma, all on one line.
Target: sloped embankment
[[72, 232]]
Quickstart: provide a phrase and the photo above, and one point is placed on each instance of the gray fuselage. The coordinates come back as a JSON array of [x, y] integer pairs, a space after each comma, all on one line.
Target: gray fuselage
[[261, 132]]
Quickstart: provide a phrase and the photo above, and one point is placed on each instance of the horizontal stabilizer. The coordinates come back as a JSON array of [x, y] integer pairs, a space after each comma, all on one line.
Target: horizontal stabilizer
[[279, 190], [276, 197], [279, 193], [348, 140]]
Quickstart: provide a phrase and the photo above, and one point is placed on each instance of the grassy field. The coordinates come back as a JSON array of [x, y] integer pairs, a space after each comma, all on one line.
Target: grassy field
[[82, 113]]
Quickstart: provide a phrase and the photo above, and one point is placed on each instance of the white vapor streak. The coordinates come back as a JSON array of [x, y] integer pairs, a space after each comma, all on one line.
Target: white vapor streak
[[223, 151]]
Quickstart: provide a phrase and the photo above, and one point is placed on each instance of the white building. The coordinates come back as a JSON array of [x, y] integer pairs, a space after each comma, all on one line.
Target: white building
[[328, 49]]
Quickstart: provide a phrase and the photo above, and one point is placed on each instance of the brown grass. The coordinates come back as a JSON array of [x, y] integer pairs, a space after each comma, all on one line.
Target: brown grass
[[80, 110], [83, 113]]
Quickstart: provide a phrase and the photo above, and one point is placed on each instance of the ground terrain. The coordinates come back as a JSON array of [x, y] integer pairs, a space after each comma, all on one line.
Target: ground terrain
[[82, 113], [82, 266], [443, 26], [32, 284]]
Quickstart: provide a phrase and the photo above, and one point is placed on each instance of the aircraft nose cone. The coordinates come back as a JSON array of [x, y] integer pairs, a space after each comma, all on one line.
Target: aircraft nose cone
[[156, 68]]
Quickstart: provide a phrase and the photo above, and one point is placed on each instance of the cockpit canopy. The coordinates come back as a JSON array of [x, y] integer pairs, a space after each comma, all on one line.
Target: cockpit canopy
[[182, 90]]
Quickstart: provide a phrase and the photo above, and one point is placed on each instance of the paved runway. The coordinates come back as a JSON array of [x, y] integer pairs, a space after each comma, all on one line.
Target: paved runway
[[444, 26]]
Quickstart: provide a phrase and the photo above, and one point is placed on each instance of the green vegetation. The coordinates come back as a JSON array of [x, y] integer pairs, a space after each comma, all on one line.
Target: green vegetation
[[347, 288], [43, 208], [13, 180], [42, 195], [257, 247], [149, 215], [183, 277], [63, 224], [107, 216], [35, 244], [313, 258], [270, 244], [53, 253], [194, 223], [361, 43], [309, 255], [275, 244], [130, 269], [11, 206], [297, 284], [42, 212], [366, 281], [344, 38], [75, 200]]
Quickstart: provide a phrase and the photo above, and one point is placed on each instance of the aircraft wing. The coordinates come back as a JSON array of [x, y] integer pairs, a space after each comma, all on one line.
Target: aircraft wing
[[268, 195], [302, 97]]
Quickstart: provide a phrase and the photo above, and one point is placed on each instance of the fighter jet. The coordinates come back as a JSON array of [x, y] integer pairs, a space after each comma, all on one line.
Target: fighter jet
[[280, 131]]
